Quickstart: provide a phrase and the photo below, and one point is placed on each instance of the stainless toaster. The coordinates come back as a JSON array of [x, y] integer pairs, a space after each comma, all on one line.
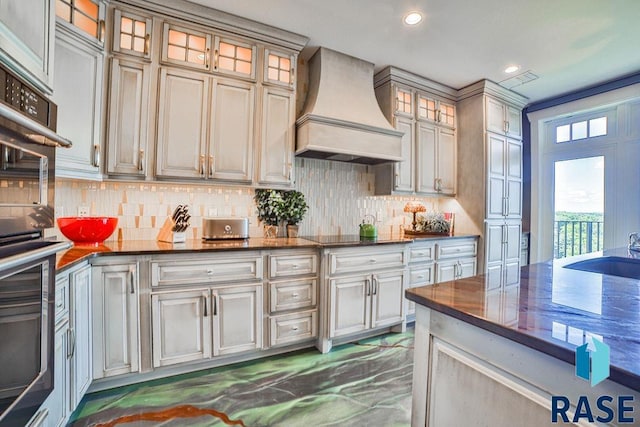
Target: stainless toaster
[[225, 228]]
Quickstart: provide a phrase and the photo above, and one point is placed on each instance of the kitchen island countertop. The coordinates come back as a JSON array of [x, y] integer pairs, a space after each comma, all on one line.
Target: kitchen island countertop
[[552, 310]]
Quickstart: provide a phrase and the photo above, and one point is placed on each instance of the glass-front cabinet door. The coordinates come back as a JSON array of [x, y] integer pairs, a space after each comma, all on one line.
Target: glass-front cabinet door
[[132, 34], [184, 46], [86, 16], [234, 58], [279, 68]]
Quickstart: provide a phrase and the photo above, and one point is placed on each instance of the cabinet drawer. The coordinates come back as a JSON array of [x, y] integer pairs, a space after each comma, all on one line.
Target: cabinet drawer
[[292, 294], [166, 273], [421, 276], [365, 261], [421, 253], [292, 265], [62, 297], [456, 249], [289, 328]]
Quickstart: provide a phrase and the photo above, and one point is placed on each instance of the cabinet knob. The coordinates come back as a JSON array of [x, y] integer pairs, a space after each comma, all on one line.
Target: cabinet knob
[[372, 260], [294, 328], [294, 266], [295, 295], [209, 272]]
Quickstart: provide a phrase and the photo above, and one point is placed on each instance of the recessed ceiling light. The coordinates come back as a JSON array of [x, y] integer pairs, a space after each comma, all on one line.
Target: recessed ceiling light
[[511, 69], [412, 18]]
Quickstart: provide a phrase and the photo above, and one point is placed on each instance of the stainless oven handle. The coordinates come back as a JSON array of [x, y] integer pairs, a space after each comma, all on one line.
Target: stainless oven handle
[[20, 259], [52, 138]]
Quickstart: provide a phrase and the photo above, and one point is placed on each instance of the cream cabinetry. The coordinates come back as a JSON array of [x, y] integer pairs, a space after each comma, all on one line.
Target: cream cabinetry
[[72, 345], [504, 178], [77, 90], [26, 39], [195, 130], [503, 118], [115, 317], [205, 307], [293, 296], [440, 260], [277, 137], [364, 290], [129, 109], [425, 111], [492, 195]]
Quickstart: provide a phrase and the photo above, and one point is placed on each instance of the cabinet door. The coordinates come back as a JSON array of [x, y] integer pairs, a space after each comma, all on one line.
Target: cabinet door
[[446, 161], [186, 47], [182, 124], [276, 138], [132, 33], [426, 158], [387, 298], [128, 118], [80, 324], [496, 118], [496, 195], [237, 319], [181, 326], [404, 172], [514, 121], [513, 234], [494, 240], [232, 131], [78, 93], [467, 267], [350, 305], [26, 39], [513, 179], [115, 305], [58, 401], [446, 271]]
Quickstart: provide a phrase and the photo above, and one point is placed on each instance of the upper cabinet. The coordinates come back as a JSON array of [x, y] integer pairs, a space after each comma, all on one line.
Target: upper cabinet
[[132, 33], [426, 112], [86, 17], [503, 118], [189, 100], [26, 39], [78, 85]]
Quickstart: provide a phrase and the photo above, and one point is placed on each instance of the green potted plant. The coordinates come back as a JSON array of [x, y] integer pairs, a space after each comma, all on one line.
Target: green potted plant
[[270, 207], [295, 207]]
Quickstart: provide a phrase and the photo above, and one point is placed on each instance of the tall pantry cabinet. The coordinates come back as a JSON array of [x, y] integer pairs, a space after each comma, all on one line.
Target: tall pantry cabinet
[[490, 190]]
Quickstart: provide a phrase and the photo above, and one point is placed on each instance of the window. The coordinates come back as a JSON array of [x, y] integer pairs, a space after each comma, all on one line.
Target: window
[[581, 130], [403, 101], [447, 114], [84, 14]]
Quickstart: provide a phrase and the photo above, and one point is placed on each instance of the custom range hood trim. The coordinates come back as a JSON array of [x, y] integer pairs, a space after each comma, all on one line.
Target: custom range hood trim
[[342, 120]]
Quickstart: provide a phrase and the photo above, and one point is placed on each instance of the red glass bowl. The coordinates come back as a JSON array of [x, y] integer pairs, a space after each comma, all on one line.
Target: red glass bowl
[[87, 230]]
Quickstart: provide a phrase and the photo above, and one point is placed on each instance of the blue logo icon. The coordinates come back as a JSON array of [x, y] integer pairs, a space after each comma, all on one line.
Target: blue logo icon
[[592, 361]]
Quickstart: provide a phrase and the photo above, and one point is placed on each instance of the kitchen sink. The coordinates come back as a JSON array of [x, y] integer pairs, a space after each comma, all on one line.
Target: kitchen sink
[[611, 265]]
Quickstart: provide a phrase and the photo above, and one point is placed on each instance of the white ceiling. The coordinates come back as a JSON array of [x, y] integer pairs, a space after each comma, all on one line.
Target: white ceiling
[[568, 44]]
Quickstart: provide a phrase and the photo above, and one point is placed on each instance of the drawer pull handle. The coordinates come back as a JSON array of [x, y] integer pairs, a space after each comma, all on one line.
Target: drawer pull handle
[[294, 328], [294, 266], [295, 295], [59, 304], [372, 260], [210, 272], [421, 276]]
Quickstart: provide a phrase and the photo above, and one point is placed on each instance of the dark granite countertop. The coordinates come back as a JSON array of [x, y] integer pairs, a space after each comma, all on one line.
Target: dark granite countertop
[[551, 309], [77, 254]]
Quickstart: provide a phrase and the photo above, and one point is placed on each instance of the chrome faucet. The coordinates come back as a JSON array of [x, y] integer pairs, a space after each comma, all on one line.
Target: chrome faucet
[[634, 241]]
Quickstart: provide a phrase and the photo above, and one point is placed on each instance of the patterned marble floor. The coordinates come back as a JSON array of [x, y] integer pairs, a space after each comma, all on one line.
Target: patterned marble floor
[[367, 383]]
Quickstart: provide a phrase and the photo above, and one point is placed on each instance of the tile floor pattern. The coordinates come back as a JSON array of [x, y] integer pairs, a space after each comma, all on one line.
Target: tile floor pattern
[[367, 383]]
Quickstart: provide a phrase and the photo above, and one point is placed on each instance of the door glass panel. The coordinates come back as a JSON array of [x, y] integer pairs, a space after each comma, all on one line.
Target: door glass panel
[[83, 14], [579, 206]]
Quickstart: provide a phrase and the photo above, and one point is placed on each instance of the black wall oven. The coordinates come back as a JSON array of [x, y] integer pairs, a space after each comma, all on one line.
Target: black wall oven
[[27, 261]]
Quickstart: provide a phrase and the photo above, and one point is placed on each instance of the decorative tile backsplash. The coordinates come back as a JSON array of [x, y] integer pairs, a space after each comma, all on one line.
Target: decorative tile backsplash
[[339, 195]]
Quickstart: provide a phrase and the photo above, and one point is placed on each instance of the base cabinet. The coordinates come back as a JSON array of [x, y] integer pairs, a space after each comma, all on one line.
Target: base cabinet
[[80, 327], [196, 324], [365, 290], [115, 319]]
